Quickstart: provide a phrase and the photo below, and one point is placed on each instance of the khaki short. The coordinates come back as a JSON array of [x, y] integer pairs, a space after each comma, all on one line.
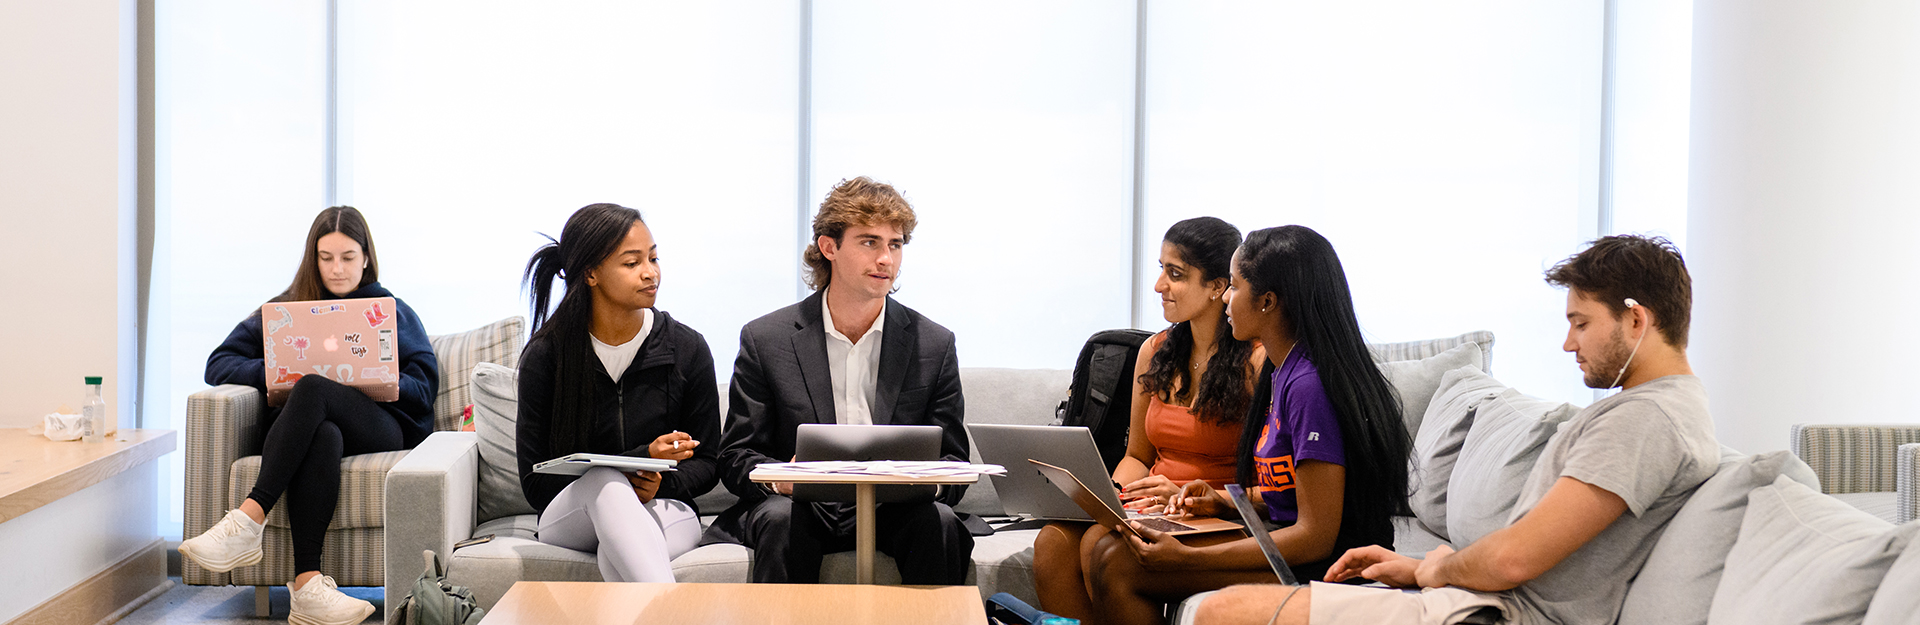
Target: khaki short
[[1336, 604]]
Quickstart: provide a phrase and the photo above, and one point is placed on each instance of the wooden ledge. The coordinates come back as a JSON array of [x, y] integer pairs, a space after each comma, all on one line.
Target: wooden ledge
[[35, 471]]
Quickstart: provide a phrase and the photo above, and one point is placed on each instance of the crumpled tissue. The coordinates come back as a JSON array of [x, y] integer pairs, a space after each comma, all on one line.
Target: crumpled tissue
[[61, 427]]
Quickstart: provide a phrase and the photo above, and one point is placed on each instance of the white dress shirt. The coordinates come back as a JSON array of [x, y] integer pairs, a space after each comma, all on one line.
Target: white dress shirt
[[854, 368], [617, 358]]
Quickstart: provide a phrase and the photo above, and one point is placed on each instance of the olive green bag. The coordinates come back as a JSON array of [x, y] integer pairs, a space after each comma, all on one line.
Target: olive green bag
[[435, 602]]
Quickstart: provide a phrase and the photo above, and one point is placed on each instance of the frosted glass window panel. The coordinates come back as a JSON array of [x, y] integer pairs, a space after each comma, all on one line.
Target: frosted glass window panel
[[1448, 150], [1008, 125], [477, 125], [240, 118], [1654, 61]]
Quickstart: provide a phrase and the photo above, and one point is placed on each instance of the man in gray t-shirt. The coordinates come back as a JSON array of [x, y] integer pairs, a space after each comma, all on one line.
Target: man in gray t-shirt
[[1650, 445], [1598, 497]]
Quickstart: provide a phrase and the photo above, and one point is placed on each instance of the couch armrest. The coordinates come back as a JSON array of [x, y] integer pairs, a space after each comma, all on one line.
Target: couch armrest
[[430, 503], [223, 425], [1908, 483], [1852, 458]]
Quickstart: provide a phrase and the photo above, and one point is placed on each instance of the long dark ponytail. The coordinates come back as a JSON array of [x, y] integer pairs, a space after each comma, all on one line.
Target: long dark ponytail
[[590, 236], [1206, 243], [1301, 269]]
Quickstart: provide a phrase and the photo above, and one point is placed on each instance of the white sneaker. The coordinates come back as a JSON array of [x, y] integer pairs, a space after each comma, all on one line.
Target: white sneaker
[[320, 602], [232, 543]]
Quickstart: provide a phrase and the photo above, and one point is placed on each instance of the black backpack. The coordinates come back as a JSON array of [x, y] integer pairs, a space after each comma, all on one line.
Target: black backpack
[[1101, 398]]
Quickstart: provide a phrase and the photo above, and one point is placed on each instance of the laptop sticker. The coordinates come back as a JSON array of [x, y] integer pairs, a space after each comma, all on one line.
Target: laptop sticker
[[286, 378], [322, 369], [386, 346], [383, 374], [359, 351], [346, 371], [351, 337], [375, 316], [286, 319], [300, 344], [328, 310]]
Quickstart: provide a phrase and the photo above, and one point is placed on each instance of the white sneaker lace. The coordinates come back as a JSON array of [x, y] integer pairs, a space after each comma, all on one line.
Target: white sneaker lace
[[328, 596], [226, 528]]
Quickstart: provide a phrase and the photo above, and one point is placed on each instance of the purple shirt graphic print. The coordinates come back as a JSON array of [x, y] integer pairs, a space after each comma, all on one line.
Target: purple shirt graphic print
[[1301, 425]]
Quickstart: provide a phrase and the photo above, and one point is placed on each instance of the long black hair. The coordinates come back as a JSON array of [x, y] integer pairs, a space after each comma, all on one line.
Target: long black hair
[[1206, 243], [591, 235], [1300, 268]]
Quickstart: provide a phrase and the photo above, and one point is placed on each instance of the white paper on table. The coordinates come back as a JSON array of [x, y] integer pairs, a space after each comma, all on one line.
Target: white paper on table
[[890, 468]]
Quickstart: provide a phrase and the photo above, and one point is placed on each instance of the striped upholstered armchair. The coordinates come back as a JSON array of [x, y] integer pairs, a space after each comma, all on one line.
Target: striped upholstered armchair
[[1874, 467], [223, 446]]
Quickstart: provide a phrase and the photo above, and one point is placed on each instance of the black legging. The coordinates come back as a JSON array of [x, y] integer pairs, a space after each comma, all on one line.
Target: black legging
[[322, 422]]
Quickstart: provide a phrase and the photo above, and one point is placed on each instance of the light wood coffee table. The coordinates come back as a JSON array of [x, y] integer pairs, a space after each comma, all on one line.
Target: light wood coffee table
[[863, 506], [589, 603]]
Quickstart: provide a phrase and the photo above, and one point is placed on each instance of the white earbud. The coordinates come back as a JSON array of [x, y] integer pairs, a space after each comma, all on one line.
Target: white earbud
[[1636, 349]]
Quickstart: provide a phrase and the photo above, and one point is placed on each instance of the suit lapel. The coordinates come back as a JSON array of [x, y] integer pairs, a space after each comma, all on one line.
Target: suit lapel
[[810, 346], [898, 344]]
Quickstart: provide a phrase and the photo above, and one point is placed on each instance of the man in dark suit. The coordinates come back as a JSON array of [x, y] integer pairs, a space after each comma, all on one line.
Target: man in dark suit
[[848, 354]]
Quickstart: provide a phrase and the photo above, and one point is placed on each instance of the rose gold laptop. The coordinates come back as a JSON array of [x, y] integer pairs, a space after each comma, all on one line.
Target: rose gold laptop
[[354, 342]]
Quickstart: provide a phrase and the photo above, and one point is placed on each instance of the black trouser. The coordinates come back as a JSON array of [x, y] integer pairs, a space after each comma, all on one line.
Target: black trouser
[[322, 422], [927, 540]]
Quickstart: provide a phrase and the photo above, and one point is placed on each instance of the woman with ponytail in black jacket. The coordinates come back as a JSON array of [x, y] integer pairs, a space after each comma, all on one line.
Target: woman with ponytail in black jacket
[[606, 373]]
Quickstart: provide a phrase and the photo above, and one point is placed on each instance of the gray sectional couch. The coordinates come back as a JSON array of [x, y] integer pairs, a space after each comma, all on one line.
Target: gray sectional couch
[[1793, 552]]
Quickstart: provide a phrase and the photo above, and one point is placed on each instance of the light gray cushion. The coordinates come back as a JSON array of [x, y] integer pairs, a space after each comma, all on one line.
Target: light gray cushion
[[1006, 396], [1413, 540], [1507, 435], [1418, 350], [490, 568], [1436, 446], [1676, 585], [1804, 557], [496, 391], [1897, 602], [1417, 380]]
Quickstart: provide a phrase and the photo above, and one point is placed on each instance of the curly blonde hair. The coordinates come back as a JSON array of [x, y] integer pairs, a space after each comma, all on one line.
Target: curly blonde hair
[[856, 202]]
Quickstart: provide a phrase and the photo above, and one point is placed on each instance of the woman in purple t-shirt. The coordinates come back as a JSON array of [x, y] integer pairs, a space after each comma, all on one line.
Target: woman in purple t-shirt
[[1324, 448]]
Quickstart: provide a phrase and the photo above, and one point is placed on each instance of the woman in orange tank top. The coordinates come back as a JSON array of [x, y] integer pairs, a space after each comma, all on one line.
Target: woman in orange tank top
[[1192, 383]]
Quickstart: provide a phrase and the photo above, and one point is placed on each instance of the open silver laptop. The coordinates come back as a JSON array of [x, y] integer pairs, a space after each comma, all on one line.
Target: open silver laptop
[[1026, 493]]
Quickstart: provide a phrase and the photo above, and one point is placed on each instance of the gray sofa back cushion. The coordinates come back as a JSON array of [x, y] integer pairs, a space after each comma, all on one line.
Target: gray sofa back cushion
[[1420, 350], [1417, 380], [1897, 601], [1007, 396], [1804, 557], [1436, 446], [1506, 437], [1676, 584], [496, 406]]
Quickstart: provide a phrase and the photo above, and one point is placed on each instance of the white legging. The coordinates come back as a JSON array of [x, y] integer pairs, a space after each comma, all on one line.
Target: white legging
[[600, 513]]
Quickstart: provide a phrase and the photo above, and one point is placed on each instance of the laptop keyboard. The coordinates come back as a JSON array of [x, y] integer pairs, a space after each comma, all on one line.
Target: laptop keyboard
[[1161, 525]]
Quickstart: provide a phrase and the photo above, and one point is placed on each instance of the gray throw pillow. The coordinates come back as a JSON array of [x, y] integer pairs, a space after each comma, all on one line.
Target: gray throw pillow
[[1897, 602], [1507, 435], [1804, 557], [1676, 585], [496, 405], [1417, 380], [1436, 445]]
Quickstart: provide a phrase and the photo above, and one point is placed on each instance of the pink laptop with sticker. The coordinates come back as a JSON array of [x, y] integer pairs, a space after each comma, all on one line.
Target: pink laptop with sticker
[[354, 342]]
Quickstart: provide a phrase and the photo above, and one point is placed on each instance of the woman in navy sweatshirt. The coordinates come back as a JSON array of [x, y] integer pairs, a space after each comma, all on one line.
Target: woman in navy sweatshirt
[[321, 422], [606, 373]]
